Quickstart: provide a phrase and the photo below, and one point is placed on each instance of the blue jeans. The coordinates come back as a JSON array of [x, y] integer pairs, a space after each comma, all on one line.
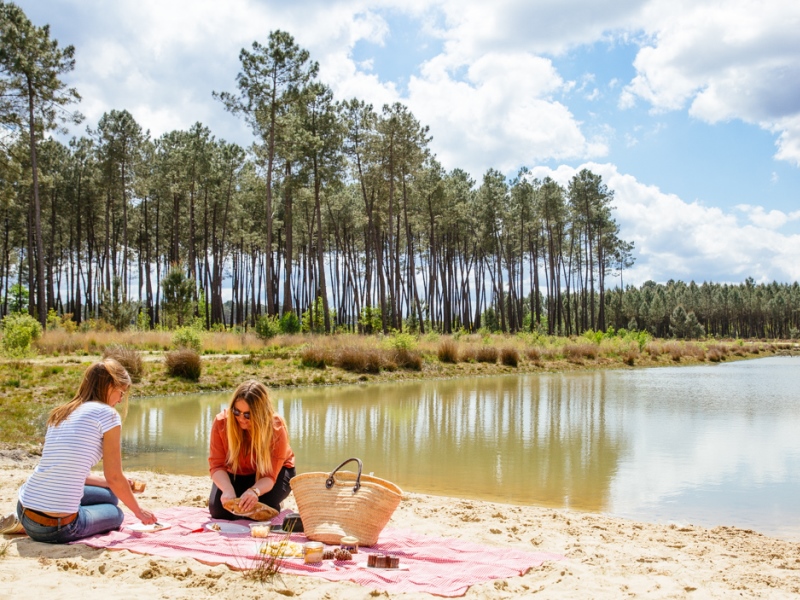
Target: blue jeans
[[98, 513]]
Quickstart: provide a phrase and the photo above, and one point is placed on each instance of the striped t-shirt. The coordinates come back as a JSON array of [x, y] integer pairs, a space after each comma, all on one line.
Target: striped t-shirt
[[70, 450]]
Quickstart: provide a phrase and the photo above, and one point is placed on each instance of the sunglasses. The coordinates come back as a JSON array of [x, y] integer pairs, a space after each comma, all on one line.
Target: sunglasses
[[238, 413]]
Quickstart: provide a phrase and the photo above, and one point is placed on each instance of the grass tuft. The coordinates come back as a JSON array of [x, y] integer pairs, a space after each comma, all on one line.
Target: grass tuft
[[448, 351], [315, 357], [509, 356], [184, 363], [128, 358], [486, 354]]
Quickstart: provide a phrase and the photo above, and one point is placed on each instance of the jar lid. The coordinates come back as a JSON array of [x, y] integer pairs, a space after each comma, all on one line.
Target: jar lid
[[349, 539], [314, 545]]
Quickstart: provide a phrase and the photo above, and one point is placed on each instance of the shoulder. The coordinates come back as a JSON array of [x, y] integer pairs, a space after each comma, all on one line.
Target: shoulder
[[220, 420], [278, 423], [99, 411]]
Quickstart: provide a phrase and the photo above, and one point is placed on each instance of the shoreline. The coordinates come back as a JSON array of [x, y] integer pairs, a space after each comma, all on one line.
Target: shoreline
[[604, 556]]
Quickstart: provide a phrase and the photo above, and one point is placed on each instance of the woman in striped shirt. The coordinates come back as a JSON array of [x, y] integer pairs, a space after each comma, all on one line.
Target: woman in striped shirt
[[63, 500]]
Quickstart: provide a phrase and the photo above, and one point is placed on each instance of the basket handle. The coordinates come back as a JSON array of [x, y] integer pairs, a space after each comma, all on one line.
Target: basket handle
[[330, 480]]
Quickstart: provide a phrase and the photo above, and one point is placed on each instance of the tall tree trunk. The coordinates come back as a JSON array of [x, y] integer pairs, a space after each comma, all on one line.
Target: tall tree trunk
[[37, 211]]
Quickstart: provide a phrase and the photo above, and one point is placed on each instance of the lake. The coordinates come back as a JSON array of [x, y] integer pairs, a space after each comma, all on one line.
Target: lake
[[708, 445]]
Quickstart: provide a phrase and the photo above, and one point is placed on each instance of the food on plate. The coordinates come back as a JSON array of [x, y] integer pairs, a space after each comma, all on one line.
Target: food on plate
[[260, 512], [215, 526], [282, 549], [260, 531]]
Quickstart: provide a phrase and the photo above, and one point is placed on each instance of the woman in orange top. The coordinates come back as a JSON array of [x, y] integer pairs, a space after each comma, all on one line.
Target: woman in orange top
[[250, 457]]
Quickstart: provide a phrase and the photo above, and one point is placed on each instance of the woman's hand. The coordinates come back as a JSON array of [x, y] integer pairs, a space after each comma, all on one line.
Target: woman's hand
[[146, 517], [248, 501]]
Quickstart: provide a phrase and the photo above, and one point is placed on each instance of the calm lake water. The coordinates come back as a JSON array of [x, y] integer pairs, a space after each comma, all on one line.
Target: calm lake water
[[708, 445]]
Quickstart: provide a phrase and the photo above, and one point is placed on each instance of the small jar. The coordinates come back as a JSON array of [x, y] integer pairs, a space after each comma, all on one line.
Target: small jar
[[312, 552], [349, 543], [393, 562], [372, 560]]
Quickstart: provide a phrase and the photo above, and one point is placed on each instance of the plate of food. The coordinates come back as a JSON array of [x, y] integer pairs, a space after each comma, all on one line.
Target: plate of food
[[260, 512], [142, 528], [225, 527], [280, 549]]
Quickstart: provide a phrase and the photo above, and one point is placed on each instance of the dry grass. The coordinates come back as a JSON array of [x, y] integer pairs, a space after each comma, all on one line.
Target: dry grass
[[314, 356], [630, 355], [534, 355], [580, 351], [694, 351], [183, 362], [128, 358], [486, 354], [509, 356], [448, 351], [407, 359], [359, 360], [675, 350], [266, 565], [654, 349]]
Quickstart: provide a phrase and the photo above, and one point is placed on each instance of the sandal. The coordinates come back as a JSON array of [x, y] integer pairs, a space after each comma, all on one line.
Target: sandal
[[10, 525]]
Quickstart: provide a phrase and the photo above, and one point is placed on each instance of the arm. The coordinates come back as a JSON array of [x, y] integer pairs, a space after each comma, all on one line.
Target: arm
[[96, 480], [116, 480], [278, 456], [216, 462]]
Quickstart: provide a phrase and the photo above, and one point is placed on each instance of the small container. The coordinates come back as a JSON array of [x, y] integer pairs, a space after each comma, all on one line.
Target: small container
[[312, 552], [137, 486], [393, 562], [372, 560], [349, 543]]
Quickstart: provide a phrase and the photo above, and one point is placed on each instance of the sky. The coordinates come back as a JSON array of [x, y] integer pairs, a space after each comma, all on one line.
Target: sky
[[688, 109]]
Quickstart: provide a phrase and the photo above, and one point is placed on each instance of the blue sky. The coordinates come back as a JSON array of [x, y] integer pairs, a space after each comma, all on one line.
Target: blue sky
[[689, 110]]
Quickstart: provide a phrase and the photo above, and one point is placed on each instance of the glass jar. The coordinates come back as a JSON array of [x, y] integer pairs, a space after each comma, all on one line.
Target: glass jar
[[312, 552]]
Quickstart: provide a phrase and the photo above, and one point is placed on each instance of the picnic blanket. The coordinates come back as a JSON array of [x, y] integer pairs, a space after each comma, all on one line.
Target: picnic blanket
[[441, 566]]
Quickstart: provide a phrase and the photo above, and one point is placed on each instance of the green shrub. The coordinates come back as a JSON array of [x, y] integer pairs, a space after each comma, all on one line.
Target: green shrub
[[184, 363], [20, 330], [267, 327], [401, 341], [186, 337], [289, 323], [128, 358]]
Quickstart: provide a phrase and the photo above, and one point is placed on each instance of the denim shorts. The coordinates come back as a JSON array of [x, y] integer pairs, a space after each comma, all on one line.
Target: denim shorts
[[98, 513]]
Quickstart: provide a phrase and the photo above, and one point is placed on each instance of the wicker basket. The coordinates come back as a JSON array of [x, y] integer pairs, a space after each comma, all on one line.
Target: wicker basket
[[340, 503]]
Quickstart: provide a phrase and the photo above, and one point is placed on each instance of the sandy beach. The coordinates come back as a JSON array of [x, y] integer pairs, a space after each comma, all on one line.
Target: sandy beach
[[604, 557]]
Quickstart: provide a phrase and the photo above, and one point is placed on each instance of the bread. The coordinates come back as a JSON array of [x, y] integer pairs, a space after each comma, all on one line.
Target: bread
[[260, 512]]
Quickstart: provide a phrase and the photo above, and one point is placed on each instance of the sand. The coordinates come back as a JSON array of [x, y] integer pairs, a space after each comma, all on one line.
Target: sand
[[605, 557]]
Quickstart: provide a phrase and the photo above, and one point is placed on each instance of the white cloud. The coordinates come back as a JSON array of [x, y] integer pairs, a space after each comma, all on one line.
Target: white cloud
[[737, 61], [675, 239], [500, 114]]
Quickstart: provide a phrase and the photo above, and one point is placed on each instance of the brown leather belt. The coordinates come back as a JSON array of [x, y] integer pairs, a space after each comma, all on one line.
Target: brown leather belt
[[48, 521]]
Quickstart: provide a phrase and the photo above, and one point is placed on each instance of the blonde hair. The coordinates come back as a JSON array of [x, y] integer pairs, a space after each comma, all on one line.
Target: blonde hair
[[258, 444], [96, 386]]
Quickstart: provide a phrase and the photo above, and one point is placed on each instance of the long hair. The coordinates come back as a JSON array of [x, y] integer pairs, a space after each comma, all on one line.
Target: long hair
[[257, 442], [97, 383]]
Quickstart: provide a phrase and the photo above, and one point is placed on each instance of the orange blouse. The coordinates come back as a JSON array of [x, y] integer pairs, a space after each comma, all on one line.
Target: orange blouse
[[281, 452]]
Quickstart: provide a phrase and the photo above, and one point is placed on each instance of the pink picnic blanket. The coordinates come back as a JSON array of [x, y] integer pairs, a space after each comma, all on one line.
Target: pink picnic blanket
[[441, 566]]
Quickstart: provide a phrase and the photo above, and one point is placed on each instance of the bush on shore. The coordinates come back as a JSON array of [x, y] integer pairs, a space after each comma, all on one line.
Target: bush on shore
[[128, 358], [183, 362]]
